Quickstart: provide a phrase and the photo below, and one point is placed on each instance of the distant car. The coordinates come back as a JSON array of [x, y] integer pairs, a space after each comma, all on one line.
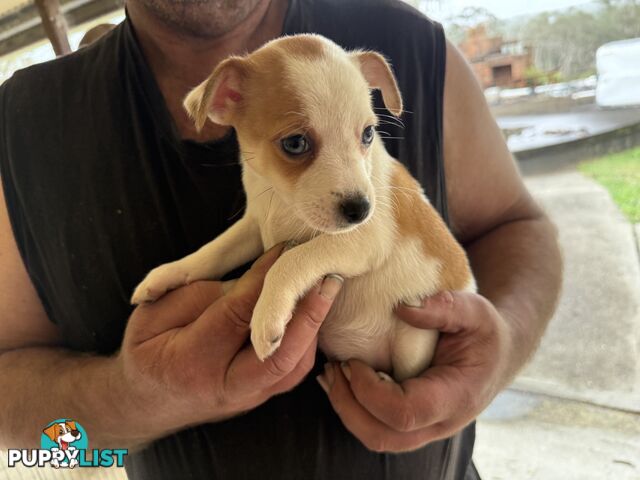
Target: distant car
[[618, 74]]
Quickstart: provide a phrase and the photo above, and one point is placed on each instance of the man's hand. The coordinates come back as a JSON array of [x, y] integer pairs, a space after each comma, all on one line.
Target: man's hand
[[469, 368], [186, 357]]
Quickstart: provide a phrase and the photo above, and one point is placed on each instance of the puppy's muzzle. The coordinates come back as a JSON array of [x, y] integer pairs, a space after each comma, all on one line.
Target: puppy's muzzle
[[354, 209]]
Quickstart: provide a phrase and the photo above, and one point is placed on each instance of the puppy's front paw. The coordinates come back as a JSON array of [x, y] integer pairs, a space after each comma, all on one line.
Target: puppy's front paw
[[268, 325], [159, 281]]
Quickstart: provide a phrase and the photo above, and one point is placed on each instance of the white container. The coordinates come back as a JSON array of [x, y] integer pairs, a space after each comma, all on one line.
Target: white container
[[618, 66]]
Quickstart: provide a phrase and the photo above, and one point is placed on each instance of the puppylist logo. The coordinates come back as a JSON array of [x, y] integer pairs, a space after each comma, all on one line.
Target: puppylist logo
[[64, 444]]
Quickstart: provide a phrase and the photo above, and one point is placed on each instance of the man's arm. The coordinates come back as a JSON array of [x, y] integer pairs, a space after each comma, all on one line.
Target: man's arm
[[21, 312], [486, 337], [155, 384], [29, 360], [511, 243]]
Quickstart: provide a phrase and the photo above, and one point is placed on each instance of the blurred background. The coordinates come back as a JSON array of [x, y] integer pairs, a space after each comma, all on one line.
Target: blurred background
[[562, 78]]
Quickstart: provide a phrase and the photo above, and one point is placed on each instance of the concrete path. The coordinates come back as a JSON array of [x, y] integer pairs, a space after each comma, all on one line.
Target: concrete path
[[532, 437], [574, 412]]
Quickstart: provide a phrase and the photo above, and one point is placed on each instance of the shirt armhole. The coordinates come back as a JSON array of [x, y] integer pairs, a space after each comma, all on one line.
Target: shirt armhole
[[12, 204]]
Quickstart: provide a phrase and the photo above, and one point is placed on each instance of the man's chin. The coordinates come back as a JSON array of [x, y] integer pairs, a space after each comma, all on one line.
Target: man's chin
[[201, 18]]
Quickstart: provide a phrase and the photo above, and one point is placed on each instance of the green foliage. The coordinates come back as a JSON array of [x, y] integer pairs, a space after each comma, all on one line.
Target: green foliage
[[470, 17], [534, 77], [567, 41], [564, 43], [620, 174]]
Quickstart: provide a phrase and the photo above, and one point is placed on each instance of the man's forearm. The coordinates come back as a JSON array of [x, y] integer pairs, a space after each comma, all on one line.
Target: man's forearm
[[40, 385], [518, 267]]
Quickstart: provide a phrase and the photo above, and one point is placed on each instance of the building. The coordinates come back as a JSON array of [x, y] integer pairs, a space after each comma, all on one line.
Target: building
[[496, 62]]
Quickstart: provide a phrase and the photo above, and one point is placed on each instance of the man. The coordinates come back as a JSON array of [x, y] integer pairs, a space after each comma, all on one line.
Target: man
[[104, 177]]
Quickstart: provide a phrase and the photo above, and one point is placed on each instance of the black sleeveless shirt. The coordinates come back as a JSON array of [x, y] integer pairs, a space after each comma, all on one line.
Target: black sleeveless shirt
[[100, 189]]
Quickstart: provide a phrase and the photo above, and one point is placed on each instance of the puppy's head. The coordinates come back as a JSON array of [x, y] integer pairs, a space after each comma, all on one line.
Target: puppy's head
[[301, 107]]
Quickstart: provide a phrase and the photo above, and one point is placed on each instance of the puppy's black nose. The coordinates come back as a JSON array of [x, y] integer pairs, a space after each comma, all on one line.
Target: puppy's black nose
[[355, 209]]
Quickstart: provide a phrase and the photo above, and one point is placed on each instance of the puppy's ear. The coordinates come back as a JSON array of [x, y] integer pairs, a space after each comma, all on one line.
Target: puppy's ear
[[378, 75], [219, 96], [51, 432]]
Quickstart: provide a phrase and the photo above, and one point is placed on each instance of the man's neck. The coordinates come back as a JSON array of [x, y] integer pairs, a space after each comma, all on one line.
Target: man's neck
[[179, 61]]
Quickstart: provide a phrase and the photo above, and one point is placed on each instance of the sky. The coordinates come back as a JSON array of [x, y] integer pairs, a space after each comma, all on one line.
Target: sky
[[501, 8]]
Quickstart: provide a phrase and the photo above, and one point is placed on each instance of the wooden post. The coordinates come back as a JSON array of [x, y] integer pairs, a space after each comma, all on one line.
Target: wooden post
[[54, 25]]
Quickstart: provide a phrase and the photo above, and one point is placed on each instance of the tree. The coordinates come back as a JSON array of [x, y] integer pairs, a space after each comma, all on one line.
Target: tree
[[469, 17], [567, 41]]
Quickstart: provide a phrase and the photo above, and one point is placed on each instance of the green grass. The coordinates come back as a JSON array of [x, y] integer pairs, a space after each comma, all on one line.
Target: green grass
[[620, 174]]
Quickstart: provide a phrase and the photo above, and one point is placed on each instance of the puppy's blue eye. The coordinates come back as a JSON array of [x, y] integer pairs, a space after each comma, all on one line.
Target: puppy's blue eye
[[295, 145], [367, 135]]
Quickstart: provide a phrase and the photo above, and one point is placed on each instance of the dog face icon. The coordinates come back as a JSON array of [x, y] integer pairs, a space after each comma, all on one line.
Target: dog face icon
[[63, 433]]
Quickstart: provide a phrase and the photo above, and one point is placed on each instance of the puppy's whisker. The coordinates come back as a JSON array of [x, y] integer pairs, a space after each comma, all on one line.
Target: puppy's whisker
[[244, 207], [262, 193], [391, 187], [266, 218], [383, 123], [400, 127], [384, 109], [389, 122], [389, 118]]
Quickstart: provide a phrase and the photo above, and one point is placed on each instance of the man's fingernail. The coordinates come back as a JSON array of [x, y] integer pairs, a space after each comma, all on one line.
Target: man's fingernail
[[329, 374], [331, 285], [323, 383], [385, 377], [346, 370]]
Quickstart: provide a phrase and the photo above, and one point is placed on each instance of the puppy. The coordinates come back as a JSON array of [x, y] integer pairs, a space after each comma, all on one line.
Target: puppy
[[317, 174]]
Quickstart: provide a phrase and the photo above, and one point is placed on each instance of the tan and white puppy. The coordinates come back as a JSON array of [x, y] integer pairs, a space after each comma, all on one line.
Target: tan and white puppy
[[316, 173]]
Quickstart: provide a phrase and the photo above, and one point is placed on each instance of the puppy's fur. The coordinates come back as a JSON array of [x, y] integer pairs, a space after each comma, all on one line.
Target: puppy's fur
[[397, 250]]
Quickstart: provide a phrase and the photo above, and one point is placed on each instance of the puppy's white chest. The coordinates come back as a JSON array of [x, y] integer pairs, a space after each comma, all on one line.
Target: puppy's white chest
[[278, 223]]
